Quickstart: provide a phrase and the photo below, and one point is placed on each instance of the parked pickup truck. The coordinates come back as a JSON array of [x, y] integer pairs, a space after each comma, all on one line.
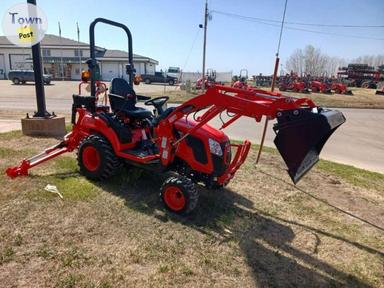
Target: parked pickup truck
[[23, 76], [158, 78]]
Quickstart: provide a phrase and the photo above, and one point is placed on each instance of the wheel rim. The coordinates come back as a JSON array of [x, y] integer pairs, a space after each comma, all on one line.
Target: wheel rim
[[91, 158], [174, 198]]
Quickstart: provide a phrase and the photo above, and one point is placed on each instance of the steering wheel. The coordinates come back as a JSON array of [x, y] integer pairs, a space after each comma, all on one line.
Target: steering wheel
[[157, 102]]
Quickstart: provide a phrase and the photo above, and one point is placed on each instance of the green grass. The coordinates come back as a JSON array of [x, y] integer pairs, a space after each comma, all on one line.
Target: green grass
[[11, 135], [116, 233], [5, 151], [355, 176], [6, 255], [66, 164], [76, 188]]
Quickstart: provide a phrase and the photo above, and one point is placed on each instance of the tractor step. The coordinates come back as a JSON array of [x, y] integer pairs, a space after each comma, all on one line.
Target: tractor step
[[137, 153]]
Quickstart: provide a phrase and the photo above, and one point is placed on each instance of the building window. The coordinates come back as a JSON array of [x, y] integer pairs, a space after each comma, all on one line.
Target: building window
[[46, 52], [78, 53]]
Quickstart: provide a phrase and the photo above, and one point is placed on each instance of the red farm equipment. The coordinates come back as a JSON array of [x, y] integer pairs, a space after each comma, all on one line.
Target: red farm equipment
[[340, 88], [293, 83], [361, 75], [174, 140], [240, 82], [210, 78], [320, 87]]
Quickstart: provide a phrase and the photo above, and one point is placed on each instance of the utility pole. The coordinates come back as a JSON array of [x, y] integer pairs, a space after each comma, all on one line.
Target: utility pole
[[205, 41], [277, 61]]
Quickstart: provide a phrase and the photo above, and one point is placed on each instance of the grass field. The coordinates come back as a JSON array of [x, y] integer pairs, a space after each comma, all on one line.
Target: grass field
[[260, 231]]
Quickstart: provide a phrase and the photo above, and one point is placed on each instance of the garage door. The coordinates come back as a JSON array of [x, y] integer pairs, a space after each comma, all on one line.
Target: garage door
[[2, 66], [109, 71], [19, 62]]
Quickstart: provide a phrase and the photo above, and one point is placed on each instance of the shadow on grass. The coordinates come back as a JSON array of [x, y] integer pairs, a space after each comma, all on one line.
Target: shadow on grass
[[265, 240], [321, 200]]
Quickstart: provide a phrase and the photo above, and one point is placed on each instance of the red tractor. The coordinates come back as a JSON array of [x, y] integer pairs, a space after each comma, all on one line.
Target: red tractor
[[340, 88], [210, 78], [179, 141], [293, 83], [320, 87], [240, 81]]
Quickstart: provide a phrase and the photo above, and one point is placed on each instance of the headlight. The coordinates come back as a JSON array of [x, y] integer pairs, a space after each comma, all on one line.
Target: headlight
[[215, 147]]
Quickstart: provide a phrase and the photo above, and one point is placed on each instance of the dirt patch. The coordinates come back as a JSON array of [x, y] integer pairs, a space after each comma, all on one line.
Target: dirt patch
[[260, 231]]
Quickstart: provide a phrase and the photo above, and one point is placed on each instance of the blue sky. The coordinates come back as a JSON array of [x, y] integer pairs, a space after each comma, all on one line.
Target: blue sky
[[165, 30]]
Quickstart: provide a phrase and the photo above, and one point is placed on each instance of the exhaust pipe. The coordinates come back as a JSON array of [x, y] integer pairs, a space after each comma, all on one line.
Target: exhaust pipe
[[301, 135]]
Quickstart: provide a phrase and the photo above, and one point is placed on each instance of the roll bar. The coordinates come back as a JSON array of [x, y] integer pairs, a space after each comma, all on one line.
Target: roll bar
[[93, 54]]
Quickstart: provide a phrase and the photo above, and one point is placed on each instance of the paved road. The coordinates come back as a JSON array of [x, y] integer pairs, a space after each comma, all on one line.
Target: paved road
[[58, 95], [359, 142]]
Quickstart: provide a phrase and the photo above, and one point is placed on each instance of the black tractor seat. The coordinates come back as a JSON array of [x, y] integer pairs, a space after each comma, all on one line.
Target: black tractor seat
[[123, 99]]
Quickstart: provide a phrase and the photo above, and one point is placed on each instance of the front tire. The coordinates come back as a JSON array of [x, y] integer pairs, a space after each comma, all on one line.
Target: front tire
[[147, 81], [96, 158], [171, 82], [179, 194], [16, 81]]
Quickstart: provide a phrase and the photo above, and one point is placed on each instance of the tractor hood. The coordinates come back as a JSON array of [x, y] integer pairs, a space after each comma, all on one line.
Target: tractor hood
[[301, 135]]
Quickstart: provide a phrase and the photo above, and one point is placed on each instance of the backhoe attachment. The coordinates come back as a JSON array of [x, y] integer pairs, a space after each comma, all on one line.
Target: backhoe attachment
[[301, 134]]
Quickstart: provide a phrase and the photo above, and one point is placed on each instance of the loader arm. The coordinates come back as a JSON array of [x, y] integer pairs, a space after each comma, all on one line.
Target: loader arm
[[302, 128]]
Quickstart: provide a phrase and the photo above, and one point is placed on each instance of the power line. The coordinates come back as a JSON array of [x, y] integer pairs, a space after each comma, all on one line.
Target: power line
[[190, 50], [270, 23], [298, 23], [281, 28]]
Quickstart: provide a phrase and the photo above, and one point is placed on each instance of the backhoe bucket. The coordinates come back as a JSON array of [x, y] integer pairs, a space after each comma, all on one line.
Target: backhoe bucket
[[301, 134]]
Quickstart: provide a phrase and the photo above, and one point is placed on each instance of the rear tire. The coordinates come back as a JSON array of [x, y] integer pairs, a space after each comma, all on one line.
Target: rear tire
[[179, 195], [147, 81], [365, 84], [16, 81], [96, 158]]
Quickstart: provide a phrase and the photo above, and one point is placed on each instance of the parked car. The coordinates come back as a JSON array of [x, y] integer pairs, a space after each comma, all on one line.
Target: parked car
[[158, 77], [23, 76]]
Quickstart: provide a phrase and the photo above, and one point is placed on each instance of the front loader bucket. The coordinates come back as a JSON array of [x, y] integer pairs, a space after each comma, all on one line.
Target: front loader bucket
[[301, 134]]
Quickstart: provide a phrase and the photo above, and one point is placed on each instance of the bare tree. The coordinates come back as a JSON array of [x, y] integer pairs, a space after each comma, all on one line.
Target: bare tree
[[295, 62], [313, 62], [333, 64], [310, 61], [371, 60]]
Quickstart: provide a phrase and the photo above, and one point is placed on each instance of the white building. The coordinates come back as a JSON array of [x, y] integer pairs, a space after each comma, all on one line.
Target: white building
[[61, 58]]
